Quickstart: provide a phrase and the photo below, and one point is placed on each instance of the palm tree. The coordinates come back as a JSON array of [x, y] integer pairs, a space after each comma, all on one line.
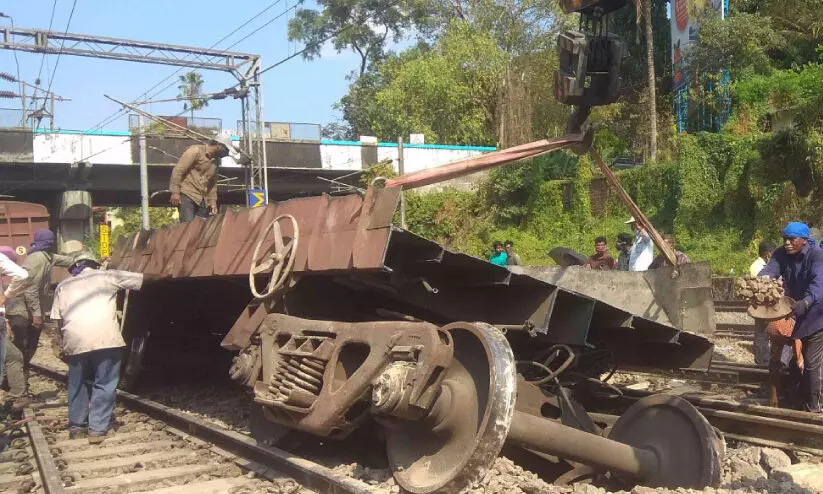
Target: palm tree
[[191, 85], [645, 7]]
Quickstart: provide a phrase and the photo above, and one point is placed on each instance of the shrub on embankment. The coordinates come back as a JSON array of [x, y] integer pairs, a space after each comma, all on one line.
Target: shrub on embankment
[[720, 196]]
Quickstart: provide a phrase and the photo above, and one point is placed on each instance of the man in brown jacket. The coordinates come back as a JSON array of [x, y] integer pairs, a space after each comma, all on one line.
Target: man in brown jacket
[[194, 179]]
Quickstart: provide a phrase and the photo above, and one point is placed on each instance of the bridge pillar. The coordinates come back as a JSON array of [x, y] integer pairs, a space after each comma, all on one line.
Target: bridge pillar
[[74, 216]]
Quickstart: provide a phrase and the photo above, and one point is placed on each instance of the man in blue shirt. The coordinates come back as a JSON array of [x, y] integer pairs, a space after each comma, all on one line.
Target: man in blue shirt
[[800, 263], [499, 255]]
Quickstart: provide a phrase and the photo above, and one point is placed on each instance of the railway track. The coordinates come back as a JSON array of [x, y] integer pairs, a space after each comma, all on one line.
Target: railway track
[[755, 424], [156, 449]]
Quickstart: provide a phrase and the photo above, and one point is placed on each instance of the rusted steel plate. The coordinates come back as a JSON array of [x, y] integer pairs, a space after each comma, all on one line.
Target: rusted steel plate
[[236, 243], [331, 231], [334, 232], [374, 227]]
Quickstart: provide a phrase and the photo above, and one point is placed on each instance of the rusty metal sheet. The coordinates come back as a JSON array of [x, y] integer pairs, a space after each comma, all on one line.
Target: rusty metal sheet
[[374, 227], [238, 238], [334, 234], [202, 246]]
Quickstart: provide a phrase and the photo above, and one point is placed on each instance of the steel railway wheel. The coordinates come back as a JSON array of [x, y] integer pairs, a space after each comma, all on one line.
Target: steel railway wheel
[[469, 423]]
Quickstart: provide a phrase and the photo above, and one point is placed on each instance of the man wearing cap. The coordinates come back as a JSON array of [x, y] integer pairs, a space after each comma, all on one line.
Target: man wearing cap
[[800, 264], [85, 309], [194, 179], [642, 252], [25, 312]]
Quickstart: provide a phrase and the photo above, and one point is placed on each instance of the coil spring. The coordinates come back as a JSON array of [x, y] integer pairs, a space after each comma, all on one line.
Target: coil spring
[[297, 372]]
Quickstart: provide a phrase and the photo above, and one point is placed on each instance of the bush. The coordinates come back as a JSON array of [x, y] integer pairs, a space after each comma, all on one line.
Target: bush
[[722, 195]]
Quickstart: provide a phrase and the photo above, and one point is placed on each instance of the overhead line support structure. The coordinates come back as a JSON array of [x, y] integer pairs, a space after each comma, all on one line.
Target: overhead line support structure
[[245, 67]]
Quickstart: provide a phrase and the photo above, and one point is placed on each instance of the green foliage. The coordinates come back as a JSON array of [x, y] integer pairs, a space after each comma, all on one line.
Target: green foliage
[[131, 217], [700, 191], [383, 169], [721, 196], [446, 93], [740, 44], [509, 188], [795, 90], [364, 27], [191, 90]]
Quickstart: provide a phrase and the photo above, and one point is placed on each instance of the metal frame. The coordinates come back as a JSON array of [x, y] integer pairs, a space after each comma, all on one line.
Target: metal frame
[[245, 67], [38, 41]]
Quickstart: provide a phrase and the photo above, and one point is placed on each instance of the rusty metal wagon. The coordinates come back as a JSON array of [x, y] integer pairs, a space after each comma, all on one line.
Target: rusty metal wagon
[[335, 316]]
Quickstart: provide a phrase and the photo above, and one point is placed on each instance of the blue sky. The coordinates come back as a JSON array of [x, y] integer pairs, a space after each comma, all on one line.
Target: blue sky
[[297, 91]]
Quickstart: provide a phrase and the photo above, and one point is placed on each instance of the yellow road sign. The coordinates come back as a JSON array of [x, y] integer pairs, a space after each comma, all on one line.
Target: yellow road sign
[[104, 240]]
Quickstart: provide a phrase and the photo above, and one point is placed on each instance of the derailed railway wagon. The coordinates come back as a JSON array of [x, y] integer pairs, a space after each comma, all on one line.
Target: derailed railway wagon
[[336, 317]]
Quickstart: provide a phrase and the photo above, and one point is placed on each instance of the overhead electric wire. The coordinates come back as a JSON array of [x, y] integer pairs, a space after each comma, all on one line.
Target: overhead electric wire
[[145, 95], [43, 57], [278, 16], [62, 43]]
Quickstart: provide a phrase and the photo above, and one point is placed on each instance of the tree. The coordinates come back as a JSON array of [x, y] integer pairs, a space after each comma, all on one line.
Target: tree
[[645, 6], [191, 90], [131, 217], [447, 92], [364, 26]]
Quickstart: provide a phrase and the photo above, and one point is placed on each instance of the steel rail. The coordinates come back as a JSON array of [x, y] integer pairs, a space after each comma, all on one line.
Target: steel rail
[[756, 424], [308, 473], [49, 474]]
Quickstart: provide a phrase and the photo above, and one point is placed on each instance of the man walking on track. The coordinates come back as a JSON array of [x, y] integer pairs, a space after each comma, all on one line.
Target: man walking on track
[[85, 308]]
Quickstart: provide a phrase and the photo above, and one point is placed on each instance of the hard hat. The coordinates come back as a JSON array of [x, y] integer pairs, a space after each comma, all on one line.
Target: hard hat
[[234, 151], [83, 256]]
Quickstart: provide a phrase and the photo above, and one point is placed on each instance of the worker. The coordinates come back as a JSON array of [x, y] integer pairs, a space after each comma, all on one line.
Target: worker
[[25, 311], [800, 264], [764, 253], [85, 309], [194, 179], [600, 260], [642, 251], [661, 261], [8, 352]]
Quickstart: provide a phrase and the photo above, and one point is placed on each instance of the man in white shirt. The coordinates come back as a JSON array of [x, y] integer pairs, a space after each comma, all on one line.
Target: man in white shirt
[[764, 252], [85, 308], [642, 253], [19, 284]]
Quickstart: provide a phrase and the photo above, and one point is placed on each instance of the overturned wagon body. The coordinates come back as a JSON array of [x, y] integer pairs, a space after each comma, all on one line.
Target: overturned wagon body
[[335, 317]]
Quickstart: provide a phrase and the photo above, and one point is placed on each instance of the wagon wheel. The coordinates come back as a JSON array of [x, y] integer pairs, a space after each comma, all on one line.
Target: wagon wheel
[[279, 262], [458, 449]]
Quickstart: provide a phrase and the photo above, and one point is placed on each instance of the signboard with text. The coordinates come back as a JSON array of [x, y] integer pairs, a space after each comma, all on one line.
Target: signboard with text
[[105, 249]]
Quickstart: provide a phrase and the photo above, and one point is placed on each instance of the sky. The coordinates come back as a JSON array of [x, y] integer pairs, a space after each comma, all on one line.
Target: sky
[[296, 91]]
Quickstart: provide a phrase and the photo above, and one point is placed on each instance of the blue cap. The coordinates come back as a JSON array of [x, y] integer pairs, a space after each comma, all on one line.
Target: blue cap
[[796, 229]]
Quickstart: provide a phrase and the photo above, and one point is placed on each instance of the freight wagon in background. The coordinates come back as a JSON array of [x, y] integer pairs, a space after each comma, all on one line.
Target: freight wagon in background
[[18, 222]]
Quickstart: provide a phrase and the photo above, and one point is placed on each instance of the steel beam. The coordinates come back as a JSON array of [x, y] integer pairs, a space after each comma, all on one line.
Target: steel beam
[[38, 41]]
